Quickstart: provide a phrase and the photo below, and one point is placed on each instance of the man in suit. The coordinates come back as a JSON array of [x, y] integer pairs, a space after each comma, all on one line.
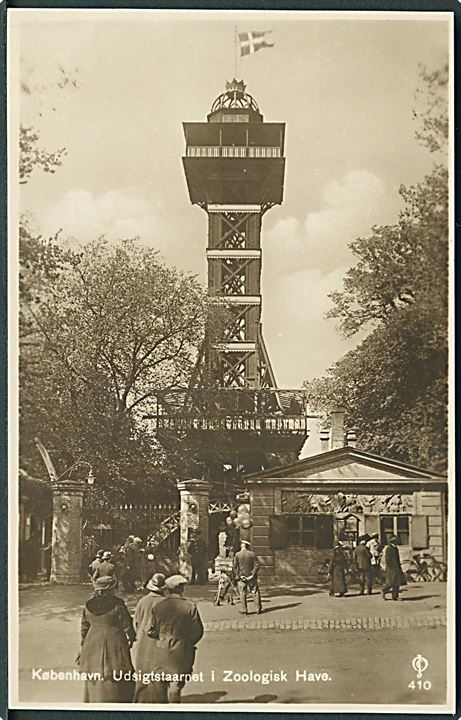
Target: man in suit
[[106, 567], [393, 569], [362, 561], [95, 563], [198, 552], [177, 627], [246, 567]]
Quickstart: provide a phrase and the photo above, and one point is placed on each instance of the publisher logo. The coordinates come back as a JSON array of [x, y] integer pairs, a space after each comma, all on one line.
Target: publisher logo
[[419, 665]]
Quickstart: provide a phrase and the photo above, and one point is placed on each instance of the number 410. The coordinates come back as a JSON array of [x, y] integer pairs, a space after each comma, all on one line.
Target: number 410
[[420, 685]]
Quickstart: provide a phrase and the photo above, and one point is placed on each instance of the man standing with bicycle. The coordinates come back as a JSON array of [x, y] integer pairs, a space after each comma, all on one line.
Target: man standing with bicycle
[[246, 568]]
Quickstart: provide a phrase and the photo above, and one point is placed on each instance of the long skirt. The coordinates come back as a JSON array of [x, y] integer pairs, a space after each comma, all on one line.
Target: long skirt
[[108, 691], [338, 580]]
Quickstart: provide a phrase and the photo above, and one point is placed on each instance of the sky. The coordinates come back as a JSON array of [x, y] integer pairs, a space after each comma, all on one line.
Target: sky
[[343, 84]]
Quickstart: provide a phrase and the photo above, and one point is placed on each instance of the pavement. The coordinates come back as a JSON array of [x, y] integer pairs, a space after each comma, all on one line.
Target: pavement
[[332, 637]]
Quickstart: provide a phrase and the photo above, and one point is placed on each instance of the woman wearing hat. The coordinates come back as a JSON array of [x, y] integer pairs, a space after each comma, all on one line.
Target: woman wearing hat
[[145, 645], [107, 635], [337, 570]]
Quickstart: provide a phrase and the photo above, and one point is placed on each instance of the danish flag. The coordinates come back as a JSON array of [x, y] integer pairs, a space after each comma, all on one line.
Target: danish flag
[[250, 42]]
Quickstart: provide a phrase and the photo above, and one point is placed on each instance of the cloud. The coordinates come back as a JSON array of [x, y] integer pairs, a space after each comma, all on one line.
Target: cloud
[[304, 261], [117, 214], [350, 207], [301, 342]]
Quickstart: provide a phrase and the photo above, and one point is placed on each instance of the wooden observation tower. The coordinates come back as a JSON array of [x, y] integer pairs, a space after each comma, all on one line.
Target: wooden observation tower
[[234, 166]]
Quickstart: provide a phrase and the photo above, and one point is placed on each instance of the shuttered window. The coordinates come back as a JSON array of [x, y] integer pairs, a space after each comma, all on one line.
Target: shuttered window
[[301, 531]]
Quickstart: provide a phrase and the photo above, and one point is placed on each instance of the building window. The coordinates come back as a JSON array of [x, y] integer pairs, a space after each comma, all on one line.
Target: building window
[[310, 530], [395, 525]]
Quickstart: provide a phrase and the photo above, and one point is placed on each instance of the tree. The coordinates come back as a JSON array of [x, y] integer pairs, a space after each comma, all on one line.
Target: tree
[[394, 384], [33, 157], [107, 327]]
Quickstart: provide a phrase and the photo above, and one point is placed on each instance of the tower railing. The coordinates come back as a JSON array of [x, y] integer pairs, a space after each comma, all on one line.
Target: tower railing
[[248, 409], [235, 151]]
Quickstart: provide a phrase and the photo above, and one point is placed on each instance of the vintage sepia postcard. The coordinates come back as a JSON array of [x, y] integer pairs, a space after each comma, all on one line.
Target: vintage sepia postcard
[[231, 360]]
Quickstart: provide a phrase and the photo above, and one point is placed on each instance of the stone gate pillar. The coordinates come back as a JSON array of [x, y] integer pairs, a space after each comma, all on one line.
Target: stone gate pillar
[[194, 497], [66, 540]]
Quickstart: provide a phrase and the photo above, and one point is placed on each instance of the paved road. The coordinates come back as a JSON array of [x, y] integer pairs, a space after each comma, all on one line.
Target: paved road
[[364, 666]]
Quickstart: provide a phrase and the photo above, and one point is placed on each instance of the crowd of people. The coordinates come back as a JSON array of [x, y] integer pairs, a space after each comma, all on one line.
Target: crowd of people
[[131, 564], [368, 561], [166, 626], [164, 632]]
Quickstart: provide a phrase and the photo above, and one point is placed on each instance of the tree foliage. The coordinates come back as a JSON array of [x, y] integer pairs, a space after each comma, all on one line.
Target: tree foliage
[[394, 384], [102, 330], [33, 157]]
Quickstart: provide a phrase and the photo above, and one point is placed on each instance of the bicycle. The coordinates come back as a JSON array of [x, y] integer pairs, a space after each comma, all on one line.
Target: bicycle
[[437, 570], [320, 570], [416, 569]]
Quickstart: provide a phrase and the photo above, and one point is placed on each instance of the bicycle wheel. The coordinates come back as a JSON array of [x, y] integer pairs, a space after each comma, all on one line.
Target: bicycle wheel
[[438, 571], [318, 572], [411, 570]]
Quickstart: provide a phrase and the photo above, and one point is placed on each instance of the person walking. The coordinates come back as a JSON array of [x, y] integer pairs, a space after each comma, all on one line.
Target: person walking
[[337, 570], [95, 563], [106, 637], [246, 568], [145, 645], [392, 568], [131, 564], [177, 627], [198, 552], [362, 562], [375, 551], [106, 568]]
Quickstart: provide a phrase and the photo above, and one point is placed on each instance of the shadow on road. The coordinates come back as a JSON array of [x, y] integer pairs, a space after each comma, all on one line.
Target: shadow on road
[[279, 607], [299, 590]]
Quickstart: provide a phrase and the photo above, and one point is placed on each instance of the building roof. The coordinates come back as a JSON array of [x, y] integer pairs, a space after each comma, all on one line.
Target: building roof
[[348, 466]]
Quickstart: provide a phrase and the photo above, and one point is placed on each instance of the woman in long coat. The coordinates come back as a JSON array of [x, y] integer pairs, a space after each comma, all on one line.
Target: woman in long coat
[[394, 575], [145, 645], [107, 635], [337, 571]]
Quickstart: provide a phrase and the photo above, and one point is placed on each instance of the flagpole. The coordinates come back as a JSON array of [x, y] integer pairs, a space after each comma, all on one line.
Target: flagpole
[[236, 50]]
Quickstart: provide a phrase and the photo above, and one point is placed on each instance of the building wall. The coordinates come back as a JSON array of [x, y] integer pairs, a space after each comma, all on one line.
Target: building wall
[[293, 563]]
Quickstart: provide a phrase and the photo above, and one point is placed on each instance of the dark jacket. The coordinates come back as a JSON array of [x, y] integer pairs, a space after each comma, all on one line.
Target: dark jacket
[[177, 627], [142, 621], [132, 557], [106, 634], [197, 549], [362, 557], [393, 569], [94, 565], [245, 563], [105, 568], [338, 567]]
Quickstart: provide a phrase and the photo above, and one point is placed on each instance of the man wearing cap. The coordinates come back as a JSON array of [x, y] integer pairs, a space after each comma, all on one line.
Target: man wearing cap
[[106, 567], [375, 551], [246, 567], [145, 645], [198, 555], [393, 569], [177, 627], [362, 561], [95, 563], [131, 563]]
